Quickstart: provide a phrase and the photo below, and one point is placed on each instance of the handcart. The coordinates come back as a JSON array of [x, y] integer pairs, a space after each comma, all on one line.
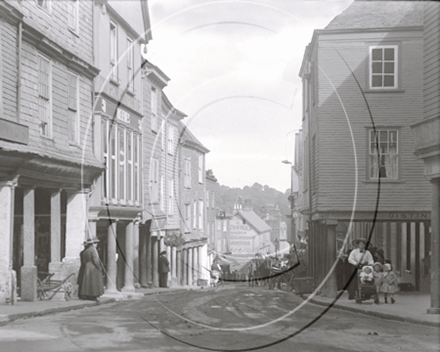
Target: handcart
[[47, 288]]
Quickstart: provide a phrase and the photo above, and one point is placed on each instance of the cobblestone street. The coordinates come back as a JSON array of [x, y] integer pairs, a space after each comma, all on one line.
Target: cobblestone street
[[233, 317]]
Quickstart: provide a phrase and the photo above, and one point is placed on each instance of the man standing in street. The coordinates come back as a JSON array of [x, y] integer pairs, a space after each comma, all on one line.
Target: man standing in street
[[164, 269]]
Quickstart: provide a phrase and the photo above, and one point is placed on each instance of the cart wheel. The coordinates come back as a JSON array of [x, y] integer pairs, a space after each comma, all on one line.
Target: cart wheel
[[68, 289]]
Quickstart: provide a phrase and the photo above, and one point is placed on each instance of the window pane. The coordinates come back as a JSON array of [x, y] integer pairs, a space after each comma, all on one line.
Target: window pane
[[377, 54], [377, 81], [121, 163], [389, 67], [113, 162], [393, 137], [129, 166], [377, 67], [389, 54], [388, 81]]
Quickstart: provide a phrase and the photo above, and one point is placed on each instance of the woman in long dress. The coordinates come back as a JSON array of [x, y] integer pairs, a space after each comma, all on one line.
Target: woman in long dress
[[90, 285]]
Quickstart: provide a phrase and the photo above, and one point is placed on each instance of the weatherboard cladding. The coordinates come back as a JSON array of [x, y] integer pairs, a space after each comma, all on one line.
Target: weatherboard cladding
[[336, 162], [58, 147], [431, 60]]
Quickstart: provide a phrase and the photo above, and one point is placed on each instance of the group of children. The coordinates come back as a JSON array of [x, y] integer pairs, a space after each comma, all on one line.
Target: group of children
[[382, 277]]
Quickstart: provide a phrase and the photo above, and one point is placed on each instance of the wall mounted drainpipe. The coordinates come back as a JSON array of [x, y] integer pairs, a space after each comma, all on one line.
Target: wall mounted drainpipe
[[19, 36]]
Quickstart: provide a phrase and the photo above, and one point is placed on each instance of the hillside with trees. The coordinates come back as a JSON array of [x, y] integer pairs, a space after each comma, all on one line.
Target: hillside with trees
[[227, 197]]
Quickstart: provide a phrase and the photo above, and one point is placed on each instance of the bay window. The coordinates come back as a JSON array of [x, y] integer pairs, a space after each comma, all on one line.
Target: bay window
[[121, 156]]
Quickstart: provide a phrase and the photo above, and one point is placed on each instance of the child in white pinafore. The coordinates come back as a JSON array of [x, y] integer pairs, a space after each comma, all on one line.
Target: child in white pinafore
[[389, 283]]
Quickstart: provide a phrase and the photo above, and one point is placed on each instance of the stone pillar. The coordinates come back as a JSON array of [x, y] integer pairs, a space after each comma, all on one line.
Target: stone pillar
[[111, 258], [435, 247], [143, 256], [196, 271], [55, 234], [28, 271], [7, 275], [155, 260], [76, 220], [203, 253], [190, 265], [179, 276], [185, 267], [76, 224], [162, 246], [128, 272], [330, 288], [201, 264], [149, 240], [136, 277], [174, 266], [169, 253]]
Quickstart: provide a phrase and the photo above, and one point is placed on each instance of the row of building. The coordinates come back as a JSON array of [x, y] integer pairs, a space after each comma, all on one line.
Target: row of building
[[367, 155], [90, 145]]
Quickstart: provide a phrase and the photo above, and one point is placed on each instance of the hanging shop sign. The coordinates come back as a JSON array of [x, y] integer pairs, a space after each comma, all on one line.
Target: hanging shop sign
[[118, 113]]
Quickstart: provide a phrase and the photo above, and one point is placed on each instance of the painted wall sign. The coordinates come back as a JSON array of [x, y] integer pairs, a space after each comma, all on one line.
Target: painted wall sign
[[369, 216], [119, 113], [240, 237]]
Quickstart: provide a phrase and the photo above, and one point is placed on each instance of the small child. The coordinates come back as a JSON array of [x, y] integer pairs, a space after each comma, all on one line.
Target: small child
[[366, 275], [389, 282], [377, 274]]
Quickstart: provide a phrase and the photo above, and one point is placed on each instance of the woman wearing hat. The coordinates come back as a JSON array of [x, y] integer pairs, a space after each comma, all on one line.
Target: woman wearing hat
[[90, 284], [357, 258]]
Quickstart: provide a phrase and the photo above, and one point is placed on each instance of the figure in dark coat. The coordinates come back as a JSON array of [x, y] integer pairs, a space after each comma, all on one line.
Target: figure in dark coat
[[164, 269], [81, 270], [90, 284]]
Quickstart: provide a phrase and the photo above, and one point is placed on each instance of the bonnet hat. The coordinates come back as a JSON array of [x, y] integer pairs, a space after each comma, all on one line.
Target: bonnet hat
[[367, 267], [379, 264], [387, 266]]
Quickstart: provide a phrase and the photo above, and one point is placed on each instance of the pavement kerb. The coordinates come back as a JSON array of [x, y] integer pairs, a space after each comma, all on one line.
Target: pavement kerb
[[7, 318], [376, 314]]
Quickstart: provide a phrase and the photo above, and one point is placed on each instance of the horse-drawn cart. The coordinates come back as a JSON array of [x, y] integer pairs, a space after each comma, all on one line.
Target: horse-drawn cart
[[47, 288]]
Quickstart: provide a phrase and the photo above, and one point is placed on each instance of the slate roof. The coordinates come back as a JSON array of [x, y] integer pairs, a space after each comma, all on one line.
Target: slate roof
[[254, 220], [364, 14], [185, 135]]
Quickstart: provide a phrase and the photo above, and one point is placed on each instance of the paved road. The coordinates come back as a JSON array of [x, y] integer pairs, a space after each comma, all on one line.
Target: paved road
[[223, 319]]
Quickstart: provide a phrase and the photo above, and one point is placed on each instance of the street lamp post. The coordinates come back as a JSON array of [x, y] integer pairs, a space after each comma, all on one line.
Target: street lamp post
[[291, 197]]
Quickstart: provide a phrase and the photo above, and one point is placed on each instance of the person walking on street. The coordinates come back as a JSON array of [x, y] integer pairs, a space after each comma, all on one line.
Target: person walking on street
[[90, 278], [81, 270], [357, 258], [164, 269]]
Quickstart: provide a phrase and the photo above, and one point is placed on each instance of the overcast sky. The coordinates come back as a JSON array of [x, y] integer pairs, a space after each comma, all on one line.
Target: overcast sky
[[234, 71]]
